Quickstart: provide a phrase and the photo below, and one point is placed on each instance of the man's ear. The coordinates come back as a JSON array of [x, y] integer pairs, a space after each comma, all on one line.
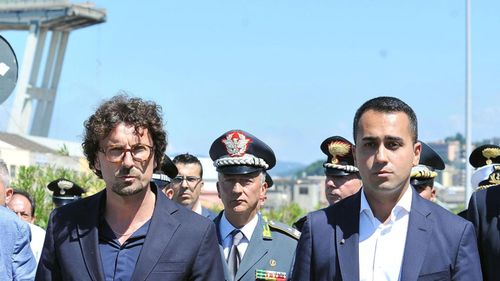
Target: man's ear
[[97, 163], [169, 192], [218, 189], [8, 194], [417, 148], [354, 155]]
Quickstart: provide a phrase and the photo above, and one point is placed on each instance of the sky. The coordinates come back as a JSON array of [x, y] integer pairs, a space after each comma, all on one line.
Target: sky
[[290, 72]]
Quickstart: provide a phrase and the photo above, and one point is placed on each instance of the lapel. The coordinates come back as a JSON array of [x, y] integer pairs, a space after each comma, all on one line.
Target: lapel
[[224, 263], [345, 218], [161, 229], [87, 229], [256, 249], [417, 237]]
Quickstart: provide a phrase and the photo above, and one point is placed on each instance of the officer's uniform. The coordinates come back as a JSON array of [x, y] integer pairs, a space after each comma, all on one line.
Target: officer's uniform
[[339, 163], [163, 175], [424, 173], [64, 191], [271, 248]]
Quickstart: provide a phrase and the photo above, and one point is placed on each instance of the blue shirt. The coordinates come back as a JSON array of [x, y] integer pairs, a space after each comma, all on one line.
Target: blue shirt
[[16, 259], [119, 261]]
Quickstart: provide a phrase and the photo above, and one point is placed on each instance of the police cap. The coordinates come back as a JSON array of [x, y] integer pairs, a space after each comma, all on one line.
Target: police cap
[[340, 159], [239, 152]]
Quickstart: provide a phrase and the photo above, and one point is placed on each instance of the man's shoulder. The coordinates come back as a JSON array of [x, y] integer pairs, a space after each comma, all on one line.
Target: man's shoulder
[[282, 230]]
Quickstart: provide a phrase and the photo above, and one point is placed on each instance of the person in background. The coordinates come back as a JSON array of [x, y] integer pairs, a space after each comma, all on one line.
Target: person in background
[[342, 176], [24, 206], [484, 208], [64, 191], [188, 183], [422, 176], [163, 176], [17, 261]]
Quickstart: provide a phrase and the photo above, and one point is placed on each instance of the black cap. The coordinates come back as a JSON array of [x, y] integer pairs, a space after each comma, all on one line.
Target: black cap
[[165, 173], [269, 181], [424, 173], [64, 191], [239, 152], [340, 161], [485, 155]]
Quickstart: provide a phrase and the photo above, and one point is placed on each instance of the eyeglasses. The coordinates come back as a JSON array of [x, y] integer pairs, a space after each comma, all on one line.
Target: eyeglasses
[[191, 180], [139, 152]]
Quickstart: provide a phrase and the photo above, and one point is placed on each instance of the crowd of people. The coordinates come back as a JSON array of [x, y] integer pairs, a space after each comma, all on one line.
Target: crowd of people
[[148, 222]]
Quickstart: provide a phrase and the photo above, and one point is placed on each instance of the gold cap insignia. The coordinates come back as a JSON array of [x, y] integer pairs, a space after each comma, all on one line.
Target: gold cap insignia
[[338, 149], [490, 152]]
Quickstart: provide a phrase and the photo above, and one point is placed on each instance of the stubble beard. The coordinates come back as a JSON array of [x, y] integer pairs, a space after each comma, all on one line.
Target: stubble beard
[[127, 190]]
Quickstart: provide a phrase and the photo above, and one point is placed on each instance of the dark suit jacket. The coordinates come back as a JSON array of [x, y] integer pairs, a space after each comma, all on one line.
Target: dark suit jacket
[[439, 244], [208, 214], [484, 213], [179, 245]]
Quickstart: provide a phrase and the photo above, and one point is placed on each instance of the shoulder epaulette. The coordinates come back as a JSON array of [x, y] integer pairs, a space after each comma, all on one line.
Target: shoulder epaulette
[[292, 232]]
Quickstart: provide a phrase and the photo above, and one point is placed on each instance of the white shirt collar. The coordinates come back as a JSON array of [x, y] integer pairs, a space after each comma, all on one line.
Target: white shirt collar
[[403, 204]]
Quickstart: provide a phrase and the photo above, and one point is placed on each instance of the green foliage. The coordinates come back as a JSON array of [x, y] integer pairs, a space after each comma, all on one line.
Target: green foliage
[[314, 169], [63, 150], [287, 214], [34, 179]]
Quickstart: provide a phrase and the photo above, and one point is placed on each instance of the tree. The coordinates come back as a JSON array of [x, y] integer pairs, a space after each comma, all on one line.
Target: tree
[[287, 214], [34, 179]]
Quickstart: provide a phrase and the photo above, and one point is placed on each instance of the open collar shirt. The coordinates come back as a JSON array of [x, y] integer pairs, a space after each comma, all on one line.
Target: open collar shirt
[[381, 245]]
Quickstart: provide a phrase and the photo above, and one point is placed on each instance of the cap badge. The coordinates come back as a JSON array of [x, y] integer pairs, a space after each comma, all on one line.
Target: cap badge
[[338, 149], [236, 144], [64, 185], [490, 152]]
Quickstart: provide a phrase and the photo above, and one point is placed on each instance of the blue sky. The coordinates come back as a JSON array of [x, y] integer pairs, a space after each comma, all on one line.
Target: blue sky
[[290, 72]]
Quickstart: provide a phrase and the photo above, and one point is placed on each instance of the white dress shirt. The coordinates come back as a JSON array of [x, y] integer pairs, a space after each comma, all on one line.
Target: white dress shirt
[[37, 239], [381, 245], [225, 228]]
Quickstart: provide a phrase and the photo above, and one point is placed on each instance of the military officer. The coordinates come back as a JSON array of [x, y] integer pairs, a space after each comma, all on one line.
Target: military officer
[[163, 176], [64, 191], [252, 248], [422, 176], [342, 176], [484, 207]]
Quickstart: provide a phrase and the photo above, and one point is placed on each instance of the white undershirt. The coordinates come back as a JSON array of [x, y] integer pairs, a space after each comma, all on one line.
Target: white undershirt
[[381, 246], [225, 228]]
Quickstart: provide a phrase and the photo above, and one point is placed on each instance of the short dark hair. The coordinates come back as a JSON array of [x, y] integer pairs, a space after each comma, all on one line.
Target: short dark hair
[[387, 105], [131, 111], [29, 197], [187, 158]]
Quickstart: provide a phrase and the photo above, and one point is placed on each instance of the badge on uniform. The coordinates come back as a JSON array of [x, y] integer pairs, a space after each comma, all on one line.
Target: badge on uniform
[[268, 275]]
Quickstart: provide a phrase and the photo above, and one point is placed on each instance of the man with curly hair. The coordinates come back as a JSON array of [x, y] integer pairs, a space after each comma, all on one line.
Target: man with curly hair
[[130, 230]]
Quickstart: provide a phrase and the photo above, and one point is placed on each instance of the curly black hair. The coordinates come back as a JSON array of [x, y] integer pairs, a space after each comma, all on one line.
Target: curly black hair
[[131, 111]]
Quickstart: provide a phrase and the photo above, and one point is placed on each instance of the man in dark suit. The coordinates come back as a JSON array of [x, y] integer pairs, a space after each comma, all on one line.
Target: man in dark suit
[[484, 208], [386, 231], [130, 230], [188, 183], [252, 248]]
